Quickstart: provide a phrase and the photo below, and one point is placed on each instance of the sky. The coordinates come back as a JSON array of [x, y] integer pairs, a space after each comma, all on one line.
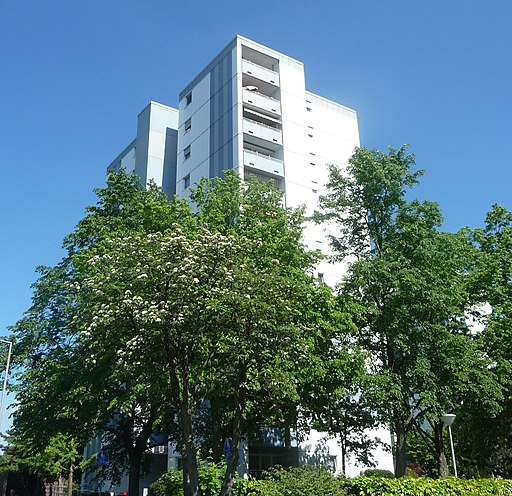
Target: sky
[[75, 74]]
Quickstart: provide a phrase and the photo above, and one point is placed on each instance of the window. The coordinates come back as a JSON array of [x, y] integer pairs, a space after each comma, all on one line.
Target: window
[[310, 135], [186, 181], [188, 99], [312, 163], [188, 125], [308, 109], [320, 277], [186, 152], [314, 191]]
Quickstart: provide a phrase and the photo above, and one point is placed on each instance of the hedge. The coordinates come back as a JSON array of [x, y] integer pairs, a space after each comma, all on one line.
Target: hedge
[[308, 481], [423, 486]]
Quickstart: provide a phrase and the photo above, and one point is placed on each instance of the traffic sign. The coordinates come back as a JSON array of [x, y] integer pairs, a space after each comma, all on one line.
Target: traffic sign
[[228, 446], [102, 458]]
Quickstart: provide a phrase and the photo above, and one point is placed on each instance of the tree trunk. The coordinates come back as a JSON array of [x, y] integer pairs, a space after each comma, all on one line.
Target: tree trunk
[[400, 449], [188, 448], [188, 451], [134, 460], [229, 479], [442, 463], [217, 432], [343, 453], [70, 482]]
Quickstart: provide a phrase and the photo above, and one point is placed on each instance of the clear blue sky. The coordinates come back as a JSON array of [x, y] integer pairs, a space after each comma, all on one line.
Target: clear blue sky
[[74, 75]]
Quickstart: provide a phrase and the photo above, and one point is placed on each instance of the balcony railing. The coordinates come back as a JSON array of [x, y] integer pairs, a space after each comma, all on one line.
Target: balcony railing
[[263, 155], [263, 164], [270, 71], [261, 124], [262, 103], [260, 73], [261, 94]]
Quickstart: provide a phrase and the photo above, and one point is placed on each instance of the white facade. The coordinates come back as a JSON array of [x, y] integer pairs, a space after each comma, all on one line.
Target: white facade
[[152, 154], [249, 110]]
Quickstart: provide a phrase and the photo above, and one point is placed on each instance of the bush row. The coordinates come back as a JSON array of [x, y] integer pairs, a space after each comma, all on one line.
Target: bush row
[[423, 486], [307, 481]]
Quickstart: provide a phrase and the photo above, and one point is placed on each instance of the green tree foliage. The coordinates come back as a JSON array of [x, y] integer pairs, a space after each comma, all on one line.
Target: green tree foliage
[[330, 384], [157, 311], [57, 458], [485, 440], [59, 389], [407, 285], [315, 330]]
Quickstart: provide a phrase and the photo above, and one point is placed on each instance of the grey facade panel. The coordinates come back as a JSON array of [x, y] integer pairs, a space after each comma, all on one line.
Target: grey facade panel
[[221, 116], [170, 162]]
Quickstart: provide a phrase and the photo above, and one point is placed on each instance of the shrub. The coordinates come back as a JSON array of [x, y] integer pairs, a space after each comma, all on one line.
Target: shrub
[[449, 486], [304, 481], [378, 472], [210, 476]]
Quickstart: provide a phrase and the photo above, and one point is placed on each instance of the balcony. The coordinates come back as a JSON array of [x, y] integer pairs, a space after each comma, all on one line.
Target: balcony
[[262, 103], [260, 73], [262, 135], [263, 163]]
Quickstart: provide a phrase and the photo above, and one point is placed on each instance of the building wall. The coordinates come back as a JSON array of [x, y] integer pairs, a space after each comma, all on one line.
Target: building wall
[[213, 122], [152, 155], [125, 160]]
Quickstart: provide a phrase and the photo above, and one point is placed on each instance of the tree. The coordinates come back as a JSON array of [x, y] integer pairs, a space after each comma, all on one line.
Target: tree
[[407, 284], [185, 307], [57, 381], [156, 312], [316, 331], [486, 438], [330, 385]]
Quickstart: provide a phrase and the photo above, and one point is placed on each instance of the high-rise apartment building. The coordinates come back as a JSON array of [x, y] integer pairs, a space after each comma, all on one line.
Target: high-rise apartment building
[[249, 110]]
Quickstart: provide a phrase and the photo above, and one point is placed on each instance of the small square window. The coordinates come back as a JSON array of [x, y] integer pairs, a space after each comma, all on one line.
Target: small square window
[[188, 99], [186, 181], [308, 109], [187, 152], [320, 277], [188, 125], [314, 191]]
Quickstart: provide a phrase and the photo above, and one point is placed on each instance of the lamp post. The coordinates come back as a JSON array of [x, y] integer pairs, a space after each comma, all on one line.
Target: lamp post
[[4, 389], [447, 419]]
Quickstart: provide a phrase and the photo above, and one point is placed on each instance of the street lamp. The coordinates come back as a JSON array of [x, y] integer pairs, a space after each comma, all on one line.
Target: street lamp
[[4, 389], [447, 419]]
